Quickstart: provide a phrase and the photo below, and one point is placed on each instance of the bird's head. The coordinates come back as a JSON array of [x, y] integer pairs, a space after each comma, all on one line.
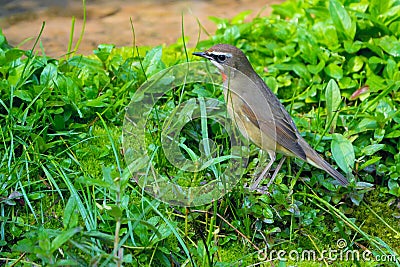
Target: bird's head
[[222, 55]]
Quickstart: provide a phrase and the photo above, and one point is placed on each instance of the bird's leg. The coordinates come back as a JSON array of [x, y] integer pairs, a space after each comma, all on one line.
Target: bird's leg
[[261, 177], [276, 171]]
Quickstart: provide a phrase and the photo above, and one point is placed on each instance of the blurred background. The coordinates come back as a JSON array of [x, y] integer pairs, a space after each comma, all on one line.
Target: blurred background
[[155, 21]]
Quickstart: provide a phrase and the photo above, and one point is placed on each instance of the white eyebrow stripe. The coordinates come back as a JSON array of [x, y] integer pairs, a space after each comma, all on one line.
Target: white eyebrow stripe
[[221, 54]]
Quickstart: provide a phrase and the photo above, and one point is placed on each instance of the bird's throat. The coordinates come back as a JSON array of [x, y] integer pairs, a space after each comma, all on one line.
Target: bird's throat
[[224, 76], [221, 70]]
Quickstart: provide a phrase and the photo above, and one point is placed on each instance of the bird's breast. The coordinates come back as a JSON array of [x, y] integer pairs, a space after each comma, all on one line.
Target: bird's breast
[[241, 112]]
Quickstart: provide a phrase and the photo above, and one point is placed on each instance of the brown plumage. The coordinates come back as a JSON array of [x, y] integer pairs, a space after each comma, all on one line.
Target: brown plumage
[[259, 114]]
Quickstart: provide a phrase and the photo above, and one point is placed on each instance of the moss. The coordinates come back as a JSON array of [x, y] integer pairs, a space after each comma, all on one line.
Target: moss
[[97, 151], [236, 255], [372, 225]]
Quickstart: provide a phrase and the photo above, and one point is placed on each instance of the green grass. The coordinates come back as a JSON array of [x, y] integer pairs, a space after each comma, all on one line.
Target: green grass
[[67, 197]]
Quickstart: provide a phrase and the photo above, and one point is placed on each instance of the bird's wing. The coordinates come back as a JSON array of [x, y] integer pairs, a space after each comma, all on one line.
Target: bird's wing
[[264, 110], [278, 128]]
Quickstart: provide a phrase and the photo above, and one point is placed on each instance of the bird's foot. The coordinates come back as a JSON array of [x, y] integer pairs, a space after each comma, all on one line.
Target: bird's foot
[[262, 189]]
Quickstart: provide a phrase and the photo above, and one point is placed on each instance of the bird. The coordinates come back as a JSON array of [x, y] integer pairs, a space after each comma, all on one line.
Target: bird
[[259, 114]]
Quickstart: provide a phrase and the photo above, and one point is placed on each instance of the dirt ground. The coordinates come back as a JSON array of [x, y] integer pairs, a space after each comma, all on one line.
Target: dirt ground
[[155, 22]]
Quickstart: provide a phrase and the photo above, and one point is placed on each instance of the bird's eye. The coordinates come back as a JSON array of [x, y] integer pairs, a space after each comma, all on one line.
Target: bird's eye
[[221, 58]]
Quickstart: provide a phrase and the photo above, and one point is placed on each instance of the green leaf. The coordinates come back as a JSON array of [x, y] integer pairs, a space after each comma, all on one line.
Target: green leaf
[[333, 99], [395, 28], [343, 152], [369, 162], [231, 34], [220, 22], [308, 46], [70, 218], [63, 237], [48, 75], [326, 34], [355, 64], [3, 40], [379, 134], [59, 123], [315, 69], [103, 51], [356, 198], [348, 83], [394, 187], [239, 18], [152, 61], [393, 134], [390, 45], [98, 103], [385, 108], [36, 196], [44, 241], [13, 54], [93, 182], [23, 95], [391, 69], [301, 70], [341, 19], [86, 63], [115, 212], [375, 83], [272, 84], [334, 71], [371, 149], [378, 7], [353, 47]]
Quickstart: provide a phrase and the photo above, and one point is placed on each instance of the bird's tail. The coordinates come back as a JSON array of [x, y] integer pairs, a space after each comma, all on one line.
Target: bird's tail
[[315, 159]]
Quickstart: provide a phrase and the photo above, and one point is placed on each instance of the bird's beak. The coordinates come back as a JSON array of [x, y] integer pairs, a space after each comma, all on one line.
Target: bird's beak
[[202, 54]]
